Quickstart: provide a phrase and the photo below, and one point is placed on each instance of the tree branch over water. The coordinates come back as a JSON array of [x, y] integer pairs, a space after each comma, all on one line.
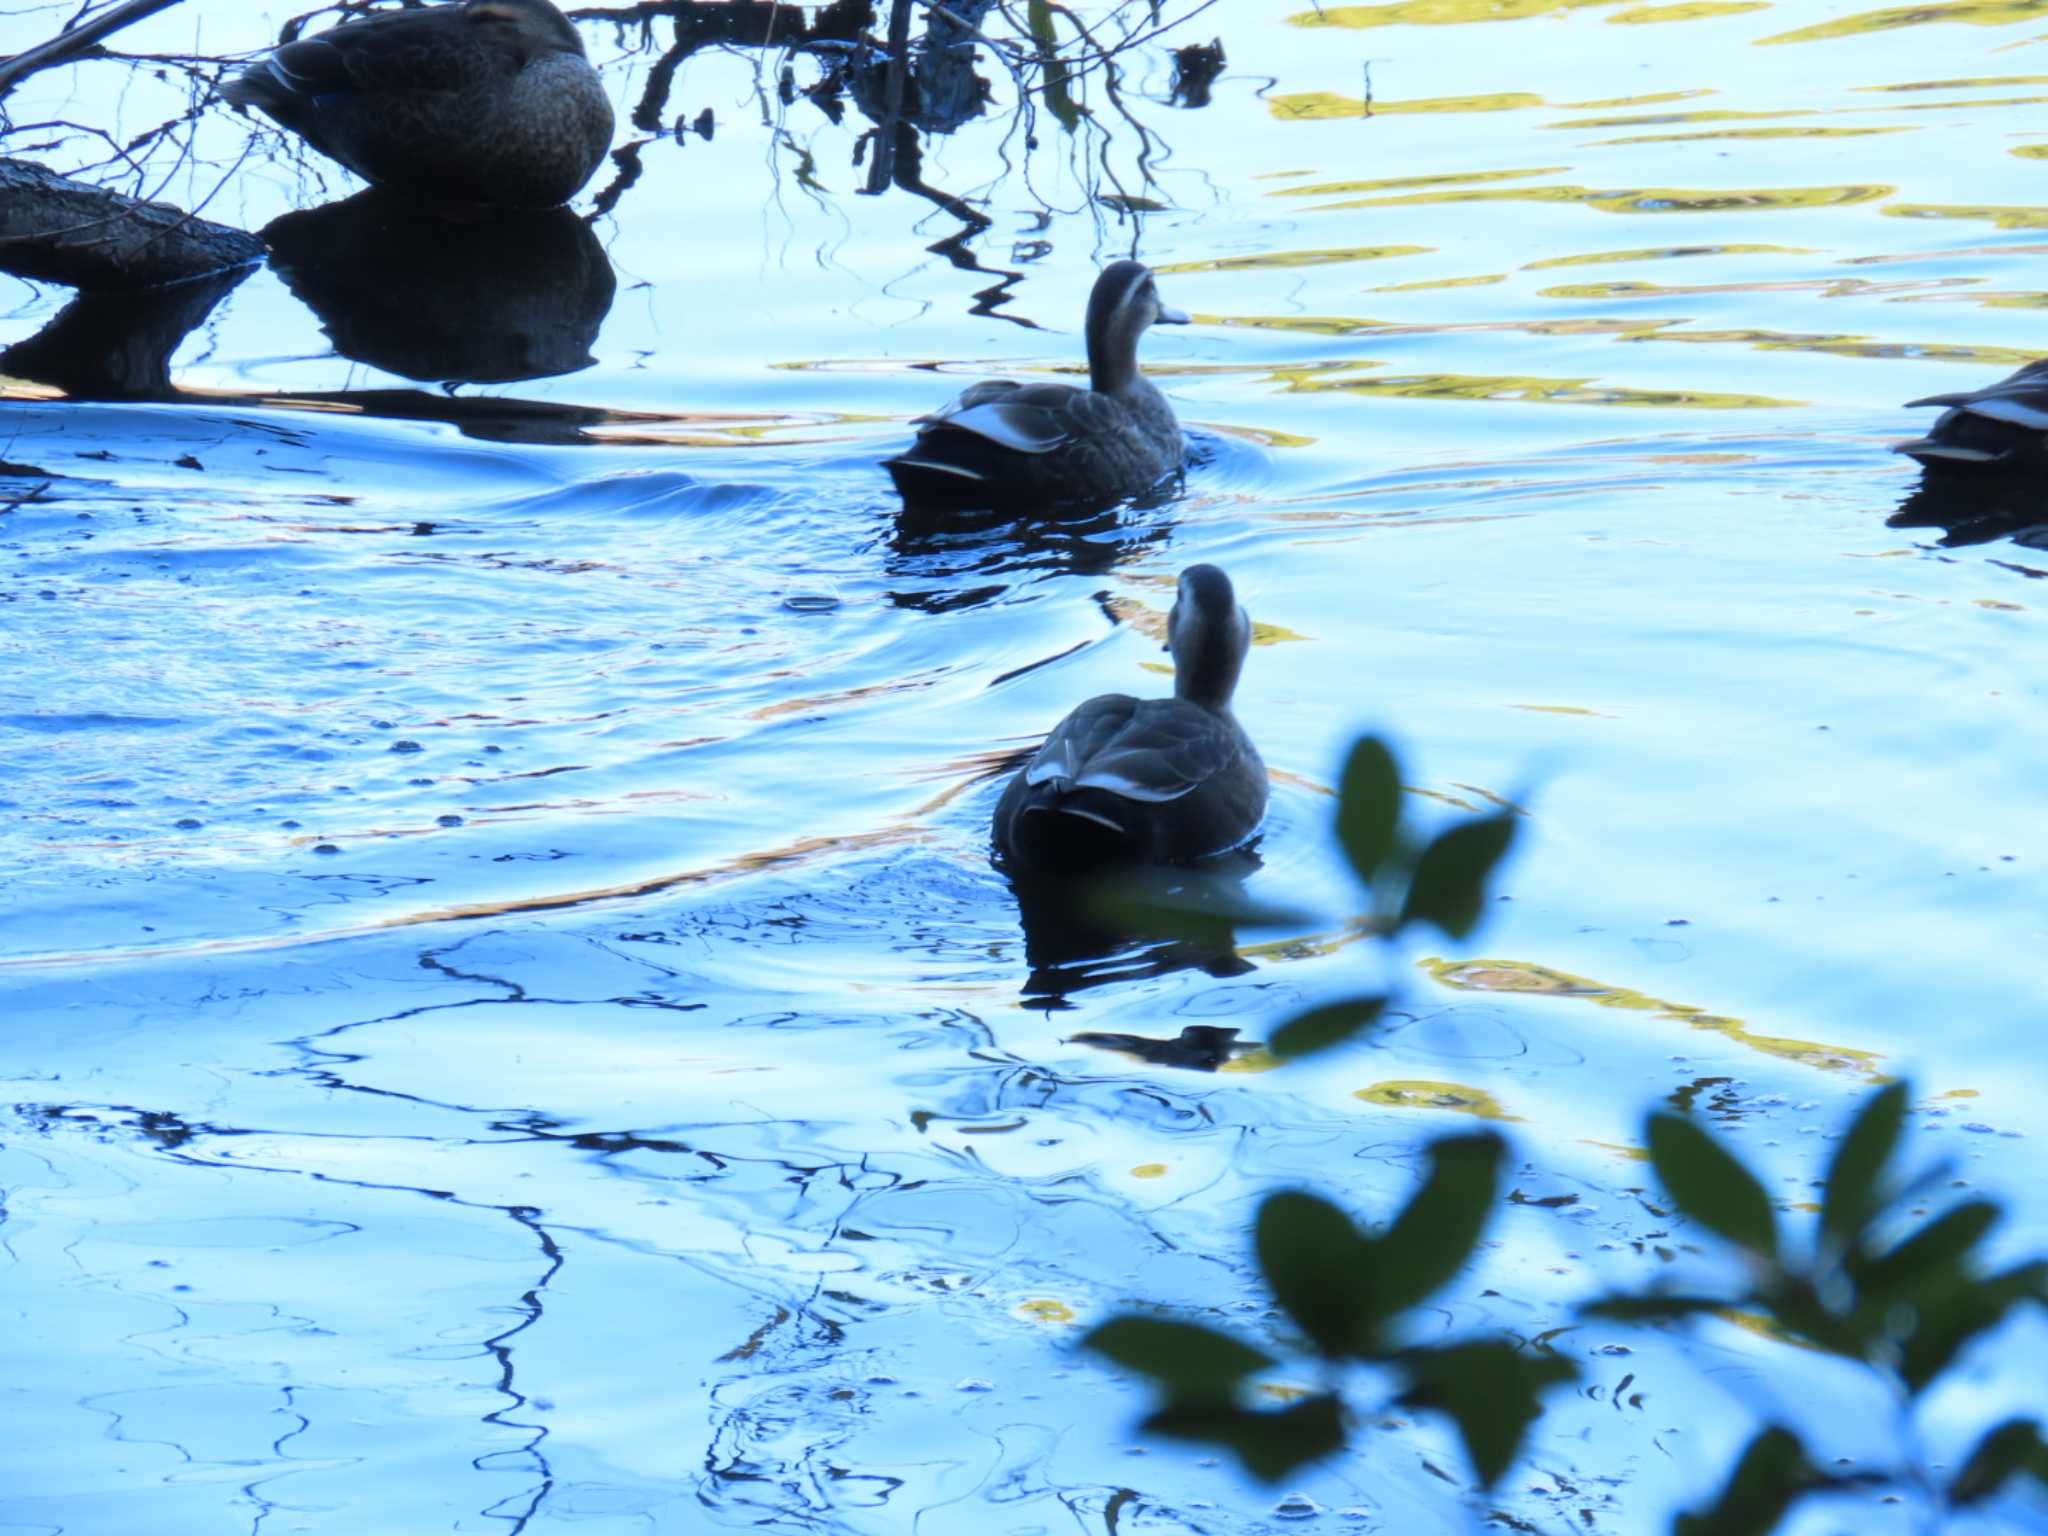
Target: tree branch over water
[[76, 40]]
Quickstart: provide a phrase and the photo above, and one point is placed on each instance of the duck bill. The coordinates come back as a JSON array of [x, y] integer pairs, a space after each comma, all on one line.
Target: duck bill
[[1172, 317]]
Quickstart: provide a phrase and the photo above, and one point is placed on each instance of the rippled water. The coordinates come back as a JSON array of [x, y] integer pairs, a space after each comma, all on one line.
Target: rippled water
[[509, 1024]]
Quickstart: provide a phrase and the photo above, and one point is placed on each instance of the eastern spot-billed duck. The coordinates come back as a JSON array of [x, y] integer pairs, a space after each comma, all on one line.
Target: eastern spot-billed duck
[[1008, 445], [1147, 781], [490, 101]]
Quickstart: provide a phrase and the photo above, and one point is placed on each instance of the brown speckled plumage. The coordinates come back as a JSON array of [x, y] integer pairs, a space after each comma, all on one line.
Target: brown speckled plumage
[[490, 101]]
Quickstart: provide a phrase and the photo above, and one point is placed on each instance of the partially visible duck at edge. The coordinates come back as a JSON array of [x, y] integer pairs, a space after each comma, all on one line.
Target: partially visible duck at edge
[[2003, 426], [486, 102], [1146, 781], [1005, 445]]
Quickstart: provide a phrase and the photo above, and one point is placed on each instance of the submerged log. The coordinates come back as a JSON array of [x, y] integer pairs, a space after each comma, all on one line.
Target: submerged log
[[86, 237]]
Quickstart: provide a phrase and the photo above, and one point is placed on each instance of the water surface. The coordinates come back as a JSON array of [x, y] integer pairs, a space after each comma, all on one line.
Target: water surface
[[510, 1025]]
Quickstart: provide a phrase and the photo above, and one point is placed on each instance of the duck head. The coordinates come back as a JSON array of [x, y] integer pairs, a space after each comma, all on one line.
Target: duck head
[[535, 25], [1125, 302], [1209, 635]]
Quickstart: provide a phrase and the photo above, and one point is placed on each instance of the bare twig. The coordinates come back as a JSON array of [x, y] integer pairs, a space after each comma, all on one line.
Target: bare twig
[[75, 40], [882, 173]]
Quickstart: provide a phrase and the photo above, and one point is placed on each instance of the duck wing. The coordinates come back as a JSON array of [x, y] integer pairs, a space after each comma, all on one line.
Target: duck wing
[[1152, 750], [1024, 418], [2020, 401]]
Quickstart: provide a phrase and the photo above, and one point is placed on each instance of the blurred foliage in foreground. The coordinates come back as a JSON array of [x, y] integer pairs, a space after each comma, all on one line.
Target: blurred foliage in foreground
[[1870, 1279]]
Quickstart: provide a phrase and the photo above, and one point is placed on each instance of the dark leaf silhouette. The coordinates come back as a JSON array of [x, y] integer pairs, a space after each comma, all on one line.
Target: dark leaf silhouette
[[1188, 1360], [1432, 1238], [1852, 1194], [1773, 1473], [1711, 1186], [1315, 1262], [1270, 1445], [1491, 1390], [1653, 1309], [1369, 806], [1449, 887], [2015, 1448], [1936, 1251], [1320, 1028], [1949, 1319]]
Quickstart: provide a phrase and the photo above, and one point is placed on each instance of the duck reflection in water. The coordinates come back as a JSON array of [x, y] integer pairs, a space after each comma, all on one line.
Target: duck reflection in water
[[1082, 932], [1199, 1047], [1978, 509], [965, 559], [486, 298]]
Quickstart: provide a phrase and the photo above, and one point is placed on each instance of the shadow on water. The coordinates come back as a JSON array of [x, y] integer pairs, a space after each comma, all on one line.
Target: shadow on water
[[476, 301]]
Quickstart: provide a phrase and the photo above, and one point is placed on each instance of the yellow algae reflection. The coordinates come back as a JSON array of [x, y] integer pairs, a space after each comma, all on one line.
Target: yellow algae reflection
[[1981, 83], [1401, 183], [1436, 13], [1479, 281], [1826, 287], [1637, 199], [1978, 13], [1045, 1310], [1269, 260], [1540, 980], [1416, 1094], [1694, 10], [1750, 133], [1528, 390], [1656, 119], [1319, 106], [1653, 99], [1668, 253], [2006, 216]]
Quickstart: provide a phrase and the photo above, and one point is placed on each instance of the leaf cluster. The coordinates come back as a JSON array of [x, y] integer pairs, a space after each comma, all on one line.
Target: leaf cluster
[[1411, 879], [1438, 881], [1350, 1294], [1899, 1295], [1878, 1281]]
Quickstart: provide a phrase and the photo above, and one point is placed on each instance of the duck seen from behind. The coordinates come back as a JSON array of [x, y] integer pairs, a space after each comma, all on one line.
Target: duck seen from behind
[[483, 102], [2003, 426], [1146, 781], [1004, 445]]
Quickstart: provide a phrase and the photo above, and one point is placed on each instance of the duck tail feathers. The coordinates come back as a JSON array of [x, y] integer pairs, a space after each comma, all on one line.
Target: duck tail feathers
[[256, 86]]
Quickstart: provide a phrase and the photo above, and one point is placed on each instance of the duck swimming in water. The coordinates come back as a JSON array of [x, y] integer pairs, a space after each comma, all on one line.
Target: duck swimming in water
[[2003, 426], [1147, 781], [484, 102], [1003, 444]]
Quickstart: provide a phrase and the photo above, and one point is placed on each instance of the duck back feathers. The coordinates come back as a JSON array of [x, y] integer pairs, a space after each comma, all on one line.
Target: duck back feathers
[[489, 101]]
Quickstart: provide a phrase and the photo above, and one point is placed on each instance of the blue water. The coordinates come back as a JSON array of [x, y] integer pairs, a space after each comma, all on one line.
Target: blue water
[[509, 1024]]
